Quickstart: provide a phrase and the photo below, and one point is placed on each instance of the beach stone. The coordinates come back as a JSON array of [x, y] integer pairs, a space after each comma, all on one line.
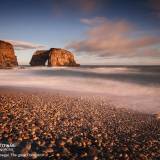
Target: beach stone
[[28, 146], [128, 135], [20, 139], [34, 155], [62, 143], [48, 150], [25, 152], [95, 158]]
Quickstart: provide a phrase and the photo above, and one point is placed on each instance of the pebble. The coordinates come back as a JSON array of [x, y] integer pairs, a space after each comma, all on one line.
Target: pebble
[[86, 127], [48, 150], [34, 155]]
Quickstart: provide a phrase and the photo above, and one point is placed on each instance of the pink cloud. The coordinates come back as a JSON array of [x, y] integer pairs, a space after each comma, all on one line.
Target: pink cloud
[[106, 37], [155, 6], [76, 5], [23, 45], [87, 5]]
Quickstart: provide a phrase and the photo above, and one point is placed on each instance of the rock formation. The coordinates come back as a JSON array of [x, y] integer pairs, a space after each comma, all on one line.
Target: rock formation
[[55, 57], [39, 58], [61, 57], [7, 55]]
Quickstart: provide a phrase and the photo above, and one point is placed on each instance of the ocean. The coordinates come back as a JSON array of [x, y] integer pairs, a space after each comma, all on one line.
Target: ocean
[[133, 87]]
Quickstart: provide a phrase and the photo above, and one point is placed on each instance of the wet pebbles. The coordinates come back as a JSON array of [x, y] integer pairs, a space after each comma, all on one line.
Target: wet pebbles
[[65, 127]]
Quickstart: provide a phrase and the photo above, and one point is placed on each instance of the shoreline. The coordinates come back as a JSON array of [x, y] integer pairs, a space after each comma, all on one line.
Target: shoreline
[[59, 126], [115, 100]]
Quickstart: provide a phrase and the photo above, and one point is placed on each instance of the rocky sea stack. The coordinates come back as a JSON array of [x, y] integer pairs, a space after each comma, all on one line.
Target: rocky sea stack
[[54, 56], [7, 55]]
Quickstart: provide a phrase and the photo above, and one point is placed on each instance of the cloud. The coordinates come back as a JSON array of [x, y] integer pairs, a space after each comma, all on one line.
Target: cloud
[[94, 21], [21, 45], [155, 6], [84, 6], [114, 38], [87, 5]]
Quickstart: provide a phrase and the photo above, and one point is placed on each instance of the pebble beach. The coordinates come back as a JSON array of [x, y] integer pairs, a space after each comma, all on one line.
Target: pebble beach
[[50, 125]]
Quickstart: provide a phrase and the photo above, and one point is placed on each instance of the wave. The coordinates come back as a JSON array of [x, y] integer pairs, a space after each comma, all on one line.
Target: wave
[[124, 86]]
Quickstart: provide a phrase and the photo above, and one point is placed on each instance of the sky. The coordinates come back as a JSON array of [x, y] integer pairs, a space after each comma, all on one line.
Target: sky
[[105, 32]]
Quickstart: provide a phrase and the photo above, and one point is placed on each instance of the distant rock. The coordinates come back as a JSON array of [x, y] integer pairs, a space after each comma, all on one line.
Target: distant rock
[[61, 57], [39, 58], [7, 55], [55, 57]]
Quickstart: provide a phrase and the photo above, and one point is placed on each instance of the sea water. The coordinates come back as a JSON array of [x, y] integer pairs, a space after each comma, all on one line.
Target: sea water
[[136, 87]]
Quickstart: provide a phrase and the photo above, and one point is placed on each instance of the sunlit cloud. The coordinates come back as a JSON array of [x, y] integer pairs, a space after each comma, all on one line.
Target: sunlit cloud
[[21, 45], [115, 38]]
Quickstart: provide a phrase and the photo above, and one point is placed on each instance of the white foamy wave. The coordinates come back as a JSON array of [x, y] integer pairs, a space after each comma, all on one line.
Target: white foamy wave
[[122, 86]]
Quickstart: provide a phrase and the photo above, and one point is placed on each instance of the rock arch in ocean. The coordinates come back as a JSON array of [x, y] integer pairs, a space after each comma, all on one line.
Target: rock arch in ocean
[[54, 56]]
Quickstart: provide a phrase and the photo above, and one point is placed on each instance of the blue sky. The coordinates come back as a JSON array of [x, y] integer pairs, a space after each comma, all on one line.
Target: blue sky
[[97, 31]]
